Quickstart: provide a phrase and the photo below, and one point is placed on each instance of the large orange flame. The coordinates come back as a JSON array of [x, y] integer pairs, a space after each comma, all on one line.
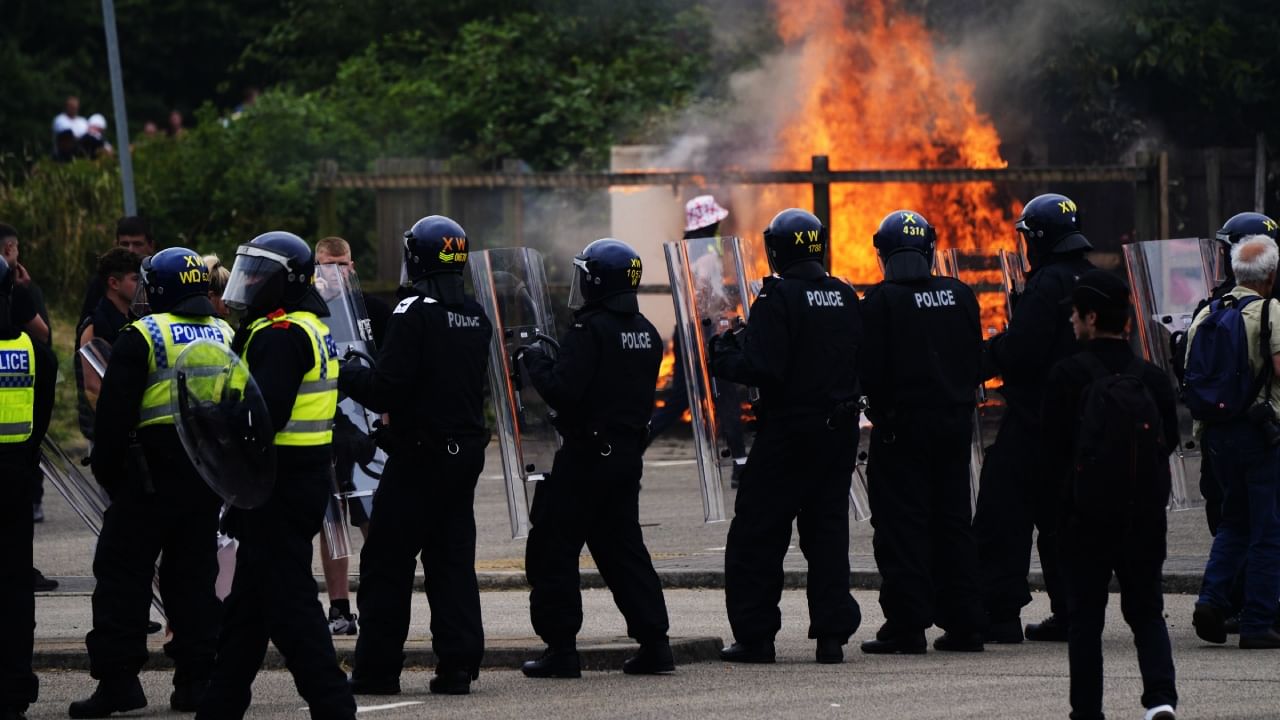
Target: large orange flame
[[876, 94]]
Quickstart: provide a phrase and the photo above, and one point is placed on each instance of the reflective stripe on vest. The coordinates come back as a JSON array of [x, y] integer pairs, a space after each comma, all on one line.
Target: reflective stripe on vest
[[166, 335], [17, 389], [311, 421]]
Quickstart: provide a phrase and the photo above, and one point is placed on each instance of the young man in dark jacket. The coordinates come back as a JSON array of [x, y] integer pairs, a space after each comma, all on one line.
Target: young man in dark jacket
[[1113, 522]]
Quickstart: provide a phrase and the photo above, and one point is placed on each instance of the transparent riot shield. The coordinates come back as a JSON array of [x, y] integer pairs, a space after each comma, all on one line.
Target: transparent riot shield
[[1013, 271], [1168, 279], [97, 352], [976, 270], [88, 500], [710, 291], [511, 285], [859, 499], [357, 460], [222, 421]]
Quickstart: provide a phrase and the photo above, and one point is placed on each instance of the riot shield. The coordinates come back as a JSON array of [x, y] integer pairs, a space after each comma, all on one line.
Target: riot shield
[[222, 421], [1013, 271], [859, 499], [710, 291], [511, 285], [1169, 278], [87, 498], [97, 352], [357, 460], [975, 269]]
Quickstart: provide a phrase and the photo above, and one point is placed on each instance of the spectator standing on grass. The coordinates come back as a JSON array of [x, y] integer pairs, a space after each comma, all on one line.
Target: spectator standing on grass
[[133, 234]]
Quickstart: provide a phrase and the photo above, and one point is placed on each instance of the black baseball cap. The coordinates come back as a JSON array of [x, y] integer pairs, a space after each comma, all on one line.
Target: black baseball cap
[[1100, 290]]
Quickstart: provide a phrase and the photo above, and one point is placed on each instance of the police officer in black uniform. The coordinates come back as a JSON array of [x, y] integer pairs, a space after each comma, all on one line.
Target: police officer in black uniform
[[1014, 494], [601, 386], [293, 360], [919, 368], [423, 506], [23, 366], [160, 506], [800, 350]]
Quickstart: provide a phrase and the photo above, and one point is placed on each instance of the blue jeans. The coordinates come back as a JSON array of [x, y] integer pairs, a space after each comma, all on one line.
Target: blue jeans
[[1249, 474]]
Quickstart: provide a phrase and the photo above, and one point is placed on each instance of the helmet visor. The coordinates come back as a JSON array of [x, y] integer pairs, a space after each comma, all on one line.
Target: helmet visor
[[577, 298], [141, 306], [253, 267]]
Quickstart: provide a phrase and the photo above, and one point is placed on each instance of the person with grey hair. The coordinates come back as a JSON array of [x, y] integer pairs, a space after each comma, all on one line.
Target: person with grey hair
[[1245, 452]]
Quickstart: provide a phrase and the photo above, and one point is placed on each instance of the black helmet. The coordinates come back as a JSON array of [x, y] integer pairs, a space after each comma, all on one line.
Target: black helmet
[[604, 269], [793, 236], [272, 270], [434, 244], [173, 280], [905, 243], [1050, 225], [1245, 224]]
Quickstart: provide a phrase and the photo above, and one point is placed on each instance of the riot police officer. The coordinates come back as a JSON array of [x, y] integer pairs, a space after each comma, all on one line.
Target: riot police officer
[[160, 507], [800, 350], [1014, 493], [919, 369], [601, 386], [424, 501], [293, 360], [23, 365]]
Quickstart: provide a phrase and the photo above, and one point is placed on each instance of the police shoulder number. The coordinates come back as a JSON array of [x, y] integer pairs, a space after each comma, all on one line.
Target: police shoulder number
[[404, 305]]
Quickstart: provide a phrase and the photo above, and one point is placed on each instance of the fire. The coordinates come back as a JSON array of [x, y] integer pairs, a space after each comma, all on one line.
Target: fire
[[875, 94]]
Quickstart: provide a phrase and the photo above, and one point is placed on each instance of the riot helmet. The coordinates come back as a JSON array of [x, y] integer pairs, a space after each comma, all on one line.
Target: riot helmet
[[607, 272], [1242, 225], [271, 271], [435, 253], [174, 280], [794, 236], [905, 243], [1050, 225]]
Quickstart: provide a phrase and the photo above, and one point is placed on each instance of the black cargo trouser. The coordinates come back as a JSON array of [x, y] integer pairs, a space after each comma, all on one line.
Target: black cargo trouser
[[1136, 555], [273, 597], [918, 484], [1016, 495], [797, 471], [18, 683], [423, 508], [591, 499], [178, 525]]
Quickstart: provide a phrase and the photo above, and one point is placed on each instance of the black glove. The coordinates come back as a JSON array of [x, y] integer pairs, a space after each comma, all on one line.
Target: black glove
[[232, 522]]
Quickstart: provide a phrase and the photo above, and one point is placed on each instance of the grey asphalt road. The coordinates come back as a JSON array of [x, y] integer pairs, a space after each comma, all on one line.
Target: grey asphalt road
[[1008, 681]]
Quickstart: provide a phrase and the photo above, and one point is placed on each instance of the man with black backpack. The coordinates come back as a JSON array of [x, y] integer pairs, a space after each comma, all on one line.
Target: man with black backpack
[[1109, 424], [1233, 360]]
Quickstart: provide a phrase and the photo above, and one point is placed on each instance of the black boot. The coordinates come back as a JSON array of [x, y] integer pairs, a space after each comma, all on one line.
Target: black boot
[[758, 651], [112, 696], [959, 641], [1267, 640], [452, 682], [1209, 623], [557, 661], [361, 685], [891, 641], [12, 714], [1051, 629], [829, 650], [186, 695], [653, 658], [1006, 631]]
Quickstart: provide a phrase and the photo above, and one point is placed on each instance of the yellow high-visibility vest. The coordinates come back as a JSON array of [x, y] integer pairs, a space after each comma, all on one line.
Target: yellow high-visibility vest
[[311, 421], [166, 335], [17, 389]]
